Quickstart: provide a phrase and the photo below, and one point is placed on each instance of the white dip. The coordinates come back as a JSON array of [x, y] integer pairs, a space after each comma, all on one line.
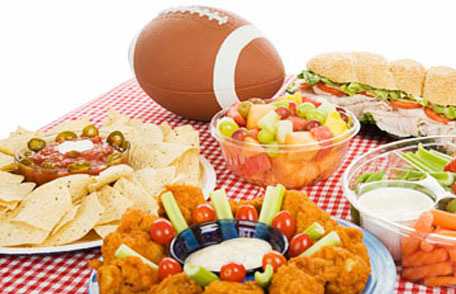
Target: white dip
[[79, 146], [246, 251], [394, 202]]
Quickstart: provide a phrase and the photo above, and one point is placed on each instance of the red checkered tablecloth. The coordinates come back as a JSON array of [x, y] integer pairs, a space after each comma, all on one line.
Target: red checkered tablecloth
[[68, 273]]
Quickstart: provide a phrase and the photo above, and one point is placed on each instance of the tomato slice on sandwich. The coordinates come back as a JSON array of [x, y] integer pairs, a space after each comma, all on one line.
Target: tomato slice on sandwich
[[330, 90], [435, 116], [305, 86], [405, 104]]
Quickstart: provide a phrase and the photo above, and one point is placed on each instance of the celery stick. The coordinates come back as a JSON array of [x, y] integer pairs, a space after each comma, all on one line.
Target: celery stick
[[332, 239], [199, 274], [443, 156], [410, 158], [173, 212], [444, 178], [375, 177], [263, 279], [272, 203], [426, 155], [221, 204], [124, 251], [315, 231]]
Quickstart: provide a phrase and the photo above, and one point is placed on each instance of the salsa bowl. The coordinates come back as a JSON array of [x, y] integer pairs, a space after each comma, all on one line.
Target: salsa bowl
[[52, 157]]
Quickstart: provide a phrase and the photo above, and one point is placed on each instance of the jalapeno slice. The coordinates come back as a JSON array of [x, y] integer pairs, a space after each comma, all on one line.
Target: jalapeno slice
[[116, 139], [65, 136], [79, 167], [113, 159], [26, 161], [36, 144], [90, 131]]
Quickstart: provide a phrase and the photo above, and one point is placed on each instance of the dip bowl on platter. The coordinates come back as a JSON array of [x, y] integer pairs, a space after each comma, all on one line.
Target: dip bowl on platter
[[291, 140], [67, 153], [403, 193], [216, 243]]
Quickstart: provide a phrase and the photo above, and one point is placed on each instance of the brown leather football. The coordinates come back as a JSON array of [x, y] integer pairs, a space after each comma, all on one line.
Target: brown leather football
[[196, 60]]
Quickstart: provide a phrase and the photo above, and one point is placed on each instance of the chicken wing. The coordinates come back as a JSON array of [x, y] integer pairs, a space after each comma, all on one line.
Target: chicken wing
[[221, 287], [289, 279]]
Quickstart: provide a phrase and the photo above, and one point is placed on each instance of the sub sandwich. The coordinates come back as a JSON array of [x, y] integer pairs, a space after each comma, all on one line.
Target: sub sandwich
[[401, 97]]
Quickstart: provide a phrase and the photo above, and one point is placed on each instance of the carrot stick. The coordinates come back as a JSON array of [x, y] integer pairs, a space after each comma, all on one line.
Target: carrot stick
[[444, 219], [410, 244], [426, 246], [427, 271], [424, 258], [424, 223], [444, 281]]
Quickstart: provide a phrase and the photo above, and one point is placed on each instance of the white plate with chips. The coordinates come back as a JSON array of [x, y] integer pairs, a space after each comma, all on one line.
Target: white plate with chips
[[92, 240]]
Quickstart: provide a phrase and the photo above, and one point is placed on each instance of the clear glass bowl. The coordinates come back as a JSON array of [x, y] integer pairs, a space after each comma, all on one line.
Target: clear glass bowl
[[398, 233], [293, 166]]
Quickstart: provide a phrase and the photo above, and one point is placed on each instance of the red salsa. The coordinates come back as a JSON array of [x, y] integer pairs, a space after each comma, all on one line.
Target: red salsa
[[69, 154]]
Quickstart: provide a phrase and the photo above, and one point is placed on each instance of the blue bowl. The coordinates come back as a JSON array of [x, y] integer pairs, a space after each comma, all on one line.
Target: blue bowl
[[203, 235]]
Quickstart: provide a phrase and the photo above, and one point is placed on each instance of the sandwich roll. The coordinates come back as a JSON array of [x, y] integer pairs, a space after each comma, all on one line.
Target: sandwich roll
[[440, 86], [337, 67], [373, 70], [409, 76]]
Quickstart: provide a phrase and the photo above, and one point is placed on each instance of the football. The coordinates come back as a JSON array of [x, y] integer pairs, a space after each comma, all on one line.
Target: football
[[197, 60]]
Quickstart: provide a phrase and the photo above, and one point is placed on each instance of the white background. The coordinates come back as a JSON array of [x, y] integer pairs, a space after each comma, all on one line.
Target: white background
[[57, 55]]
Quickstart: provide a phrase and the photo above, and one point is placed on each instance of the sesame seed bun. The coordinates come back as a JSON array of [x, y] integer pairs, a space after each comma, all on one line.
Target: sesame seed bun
[[373, 70], [440, 85], [338, 67], [409, 76]]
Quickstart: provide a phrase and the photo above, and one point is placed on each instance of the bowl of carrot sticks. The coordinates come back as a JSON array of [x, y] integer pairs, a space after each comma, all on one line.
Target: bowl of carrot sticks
[[404, 193]]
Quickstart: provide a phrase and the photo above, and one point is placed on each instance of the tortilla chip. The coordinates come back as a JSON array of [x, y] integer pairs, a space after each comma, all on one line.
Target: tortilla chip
[[15, 192], [16, 141], [188, 168], [186, 135], [87, 216], [18, 233], [155, 180], [69, 216], [45, 206], [75, 125], [111, 175], [104, 230], [155, 155], [114, 203], [167, 131], [137, 194], [9, 178], [77, 184], [6, 162]]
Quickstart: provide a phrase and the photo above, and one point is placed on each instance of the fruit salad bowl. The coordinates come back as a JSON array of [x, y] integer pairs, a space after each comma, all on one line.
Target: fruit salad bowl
[[283, 141]]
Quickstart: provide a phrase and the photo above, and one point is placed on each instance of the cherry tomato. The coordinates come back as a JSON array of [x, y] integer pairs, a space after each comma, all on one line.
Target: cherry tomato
[[298, 244], [285, 222], [233, 272], [203, 213], [450, 166], [168, 267], [162, 231], [273, 258], [405, 104], [435, 116], [306, 99], [247, 212], [330, 90]]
